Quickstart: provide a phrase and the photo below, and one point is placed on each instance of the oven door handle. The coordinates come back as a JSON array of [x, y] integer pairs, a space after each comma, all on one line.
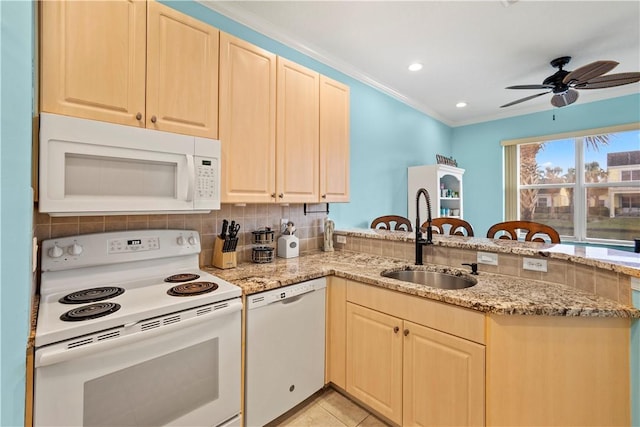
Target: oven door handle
[[58, 353]]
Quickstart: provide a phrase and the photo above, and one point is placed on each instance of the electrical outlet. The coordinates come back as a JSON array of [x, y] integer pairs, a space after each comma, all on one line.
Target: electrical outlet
[[487, 258], [341, 239], [283, 224], [534, 264]]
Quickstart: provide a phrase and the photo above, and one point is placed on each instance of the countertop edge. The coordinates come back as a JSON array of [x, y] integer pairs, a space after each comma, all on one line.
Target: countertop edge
[[495, 294]]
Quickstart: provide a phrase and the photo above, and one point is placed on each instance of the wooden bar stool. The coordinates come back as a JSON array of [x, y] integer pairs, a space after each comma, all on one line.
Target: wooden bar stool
[[535, 231], [392, 222], [450, 226]]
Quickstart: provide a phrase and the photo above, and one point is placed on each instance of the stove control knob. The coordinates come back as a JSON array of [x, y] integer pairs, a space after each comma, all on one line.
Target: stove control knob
[[180, 241], [56, 251], [75, 249], [191, 240]]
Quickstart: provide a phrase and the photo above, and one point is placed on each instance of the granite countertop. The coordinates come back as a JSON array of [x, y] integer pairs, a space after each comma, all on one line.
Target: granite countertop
[[493, 293], [600, 257]]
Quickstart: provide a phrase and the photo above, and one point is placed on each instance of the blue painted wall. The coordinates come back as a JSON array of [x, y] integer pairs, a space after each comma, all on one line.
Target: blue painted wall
[[477, 148], [16, 47]]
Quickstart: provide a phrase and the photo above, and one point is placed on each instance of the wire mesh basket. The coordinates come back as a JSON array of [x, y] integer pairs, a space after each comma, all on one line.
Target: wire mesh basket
[[262, 254], [262, 236]]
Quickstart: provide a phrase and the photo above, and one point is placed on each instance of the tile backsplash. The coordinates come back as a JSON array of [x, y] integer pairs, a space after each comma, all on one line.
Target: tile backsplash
[[251, 217]]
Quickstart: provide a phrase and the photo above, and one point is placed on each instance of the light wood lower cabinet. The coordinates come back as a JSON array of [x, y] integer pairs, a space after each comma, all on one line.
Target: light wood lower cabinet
[[336, 327], [420, 362], [443, 379], [558, 371], [410, 373], [374, 360]]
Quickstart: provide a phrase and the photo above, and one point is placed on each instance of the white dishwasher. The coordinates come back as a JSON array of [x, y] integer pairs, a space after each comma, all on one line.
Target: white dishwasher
[[285, 349]]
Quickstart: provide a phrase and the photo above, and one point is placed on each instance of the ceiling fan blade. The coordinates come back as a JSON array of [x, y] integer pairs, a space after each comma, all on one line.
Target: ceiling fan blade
[[564, 99], [530, 87], [589, 71], [524, 99], [609, 81]]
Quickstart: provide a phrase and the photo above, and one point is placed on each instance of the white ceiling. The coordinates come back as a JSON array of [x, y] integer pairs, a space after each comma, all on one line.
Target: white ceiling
[[471, 50]]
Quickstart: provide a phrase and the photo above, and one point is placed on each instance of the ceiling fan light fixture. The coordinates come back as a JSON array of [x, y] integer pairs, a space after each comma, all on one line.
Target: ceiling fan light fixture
[[416, 66], [564, 99], [563, 83]]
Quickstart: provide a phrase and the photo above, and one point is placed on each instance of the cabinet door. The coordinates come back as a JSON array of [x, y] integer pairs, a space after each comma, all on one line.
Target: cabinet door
[[297, 146], [334, 141], [374, 360], [93, 60], [443, 379], [182, 73], [247, 121], [336, 331]]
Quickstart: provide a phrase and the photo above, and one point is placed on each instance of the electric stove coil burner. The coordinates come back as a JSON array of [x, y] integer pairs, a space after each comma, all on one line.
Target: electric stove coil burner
[[91, 295], [191, 289], [91, 311], [182, 277]]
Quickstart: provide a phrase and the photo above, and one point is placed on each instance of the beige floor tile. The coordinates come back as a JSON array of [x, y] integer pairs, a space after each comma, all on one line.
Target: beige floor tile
[[311, 416], [373, 421], [342, 408]]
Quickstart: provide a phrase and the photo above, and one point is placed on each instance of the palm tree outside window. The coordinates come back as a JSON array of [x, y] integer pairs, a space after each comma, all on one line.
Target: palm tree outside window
[[586, 185]]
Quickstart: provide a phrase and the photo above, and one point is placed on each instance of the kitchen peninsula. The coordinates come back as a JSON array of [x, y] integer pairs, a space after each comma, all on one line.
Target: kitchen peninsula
[[519, 348]]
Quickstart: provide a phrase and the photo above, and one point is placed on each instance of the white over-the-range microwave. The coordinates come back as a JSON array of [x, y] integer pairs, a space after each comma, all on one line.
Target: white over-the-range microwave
[[89, 167]]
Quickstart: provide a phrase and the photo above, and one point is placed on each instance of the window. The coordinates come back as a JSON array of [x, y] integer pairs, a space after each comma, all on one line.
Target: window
[[586, 185]]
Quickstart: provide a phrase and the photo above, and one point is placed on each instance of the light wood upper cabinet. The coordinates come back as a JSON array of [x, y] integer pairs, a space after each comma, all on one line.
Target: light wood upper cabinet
[[334, 140], [93, 60], [297, 133], [130, 62], [247, 122], [182, 73], [272, 112]]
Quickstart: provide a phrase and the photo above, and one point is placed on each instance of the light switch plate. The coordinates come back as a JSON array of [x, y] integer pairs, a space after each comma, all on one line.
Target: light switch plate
[[487, 258], [534, 264]]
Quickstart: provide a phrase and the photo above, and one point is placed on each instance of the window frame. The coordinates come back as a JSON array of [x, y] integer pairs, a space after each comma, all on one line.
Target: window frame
[[511, 179]]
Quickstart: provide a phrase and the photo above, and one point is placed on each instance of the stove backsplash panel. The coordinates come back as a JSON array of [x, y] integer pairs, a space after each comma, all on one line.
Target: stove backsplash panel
[[309, 228]]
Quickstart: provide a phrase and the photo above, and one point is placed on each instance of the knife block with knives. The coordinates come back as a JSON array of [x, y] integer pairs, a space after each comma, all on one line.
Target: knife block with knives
[[224, 247]]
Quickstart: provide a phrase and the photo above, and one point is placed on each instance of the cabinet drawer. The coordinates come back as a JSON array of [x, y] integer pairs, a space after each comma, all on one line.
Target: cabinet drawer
[[457, 321]]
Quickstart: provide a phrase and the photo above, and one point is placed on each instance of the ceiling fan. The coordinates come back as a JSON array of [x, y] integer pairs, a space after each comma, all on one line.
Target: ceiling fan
[[564, 83]]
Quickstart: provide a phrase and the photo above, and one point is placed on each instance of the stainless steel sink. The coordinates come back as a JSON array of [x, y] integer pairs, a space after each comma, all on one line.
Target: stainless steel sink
[[431, 278]]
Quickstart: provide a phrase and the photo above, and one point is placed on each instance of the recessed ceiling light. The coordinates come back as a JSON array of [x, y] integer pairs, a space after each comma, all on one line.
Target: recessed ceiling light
[[461, 104], [416, 66]]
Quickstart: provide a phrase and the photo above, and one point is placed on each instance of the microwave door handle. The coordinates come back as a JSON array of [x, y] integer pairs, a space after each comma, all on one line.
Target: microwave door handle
[[191, 169]]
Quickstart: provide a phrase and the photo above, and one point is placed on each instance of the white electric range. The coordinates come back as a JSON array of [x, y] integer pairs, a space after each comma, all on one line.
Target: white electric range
[[131, 331]]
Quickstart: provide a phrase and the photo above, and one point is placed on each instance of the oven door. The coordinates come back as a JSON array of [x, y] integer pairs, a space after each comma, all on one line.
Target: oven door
[[185, 373]]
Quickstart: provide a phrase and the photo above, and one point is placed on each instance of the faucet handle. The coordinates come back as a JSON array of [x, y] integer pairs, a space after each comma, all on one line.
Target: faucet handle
[[474, 267]]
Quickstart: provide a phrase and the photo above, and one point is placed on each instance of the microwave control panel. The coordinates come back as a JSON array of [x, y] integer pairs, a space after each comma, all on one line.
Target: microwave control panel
[[206, 178]]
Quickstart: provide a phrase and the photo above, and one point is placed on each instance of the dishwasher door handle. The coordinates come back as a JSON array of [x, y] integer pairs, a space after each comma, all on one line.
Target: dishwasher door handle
[[295, 298]]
